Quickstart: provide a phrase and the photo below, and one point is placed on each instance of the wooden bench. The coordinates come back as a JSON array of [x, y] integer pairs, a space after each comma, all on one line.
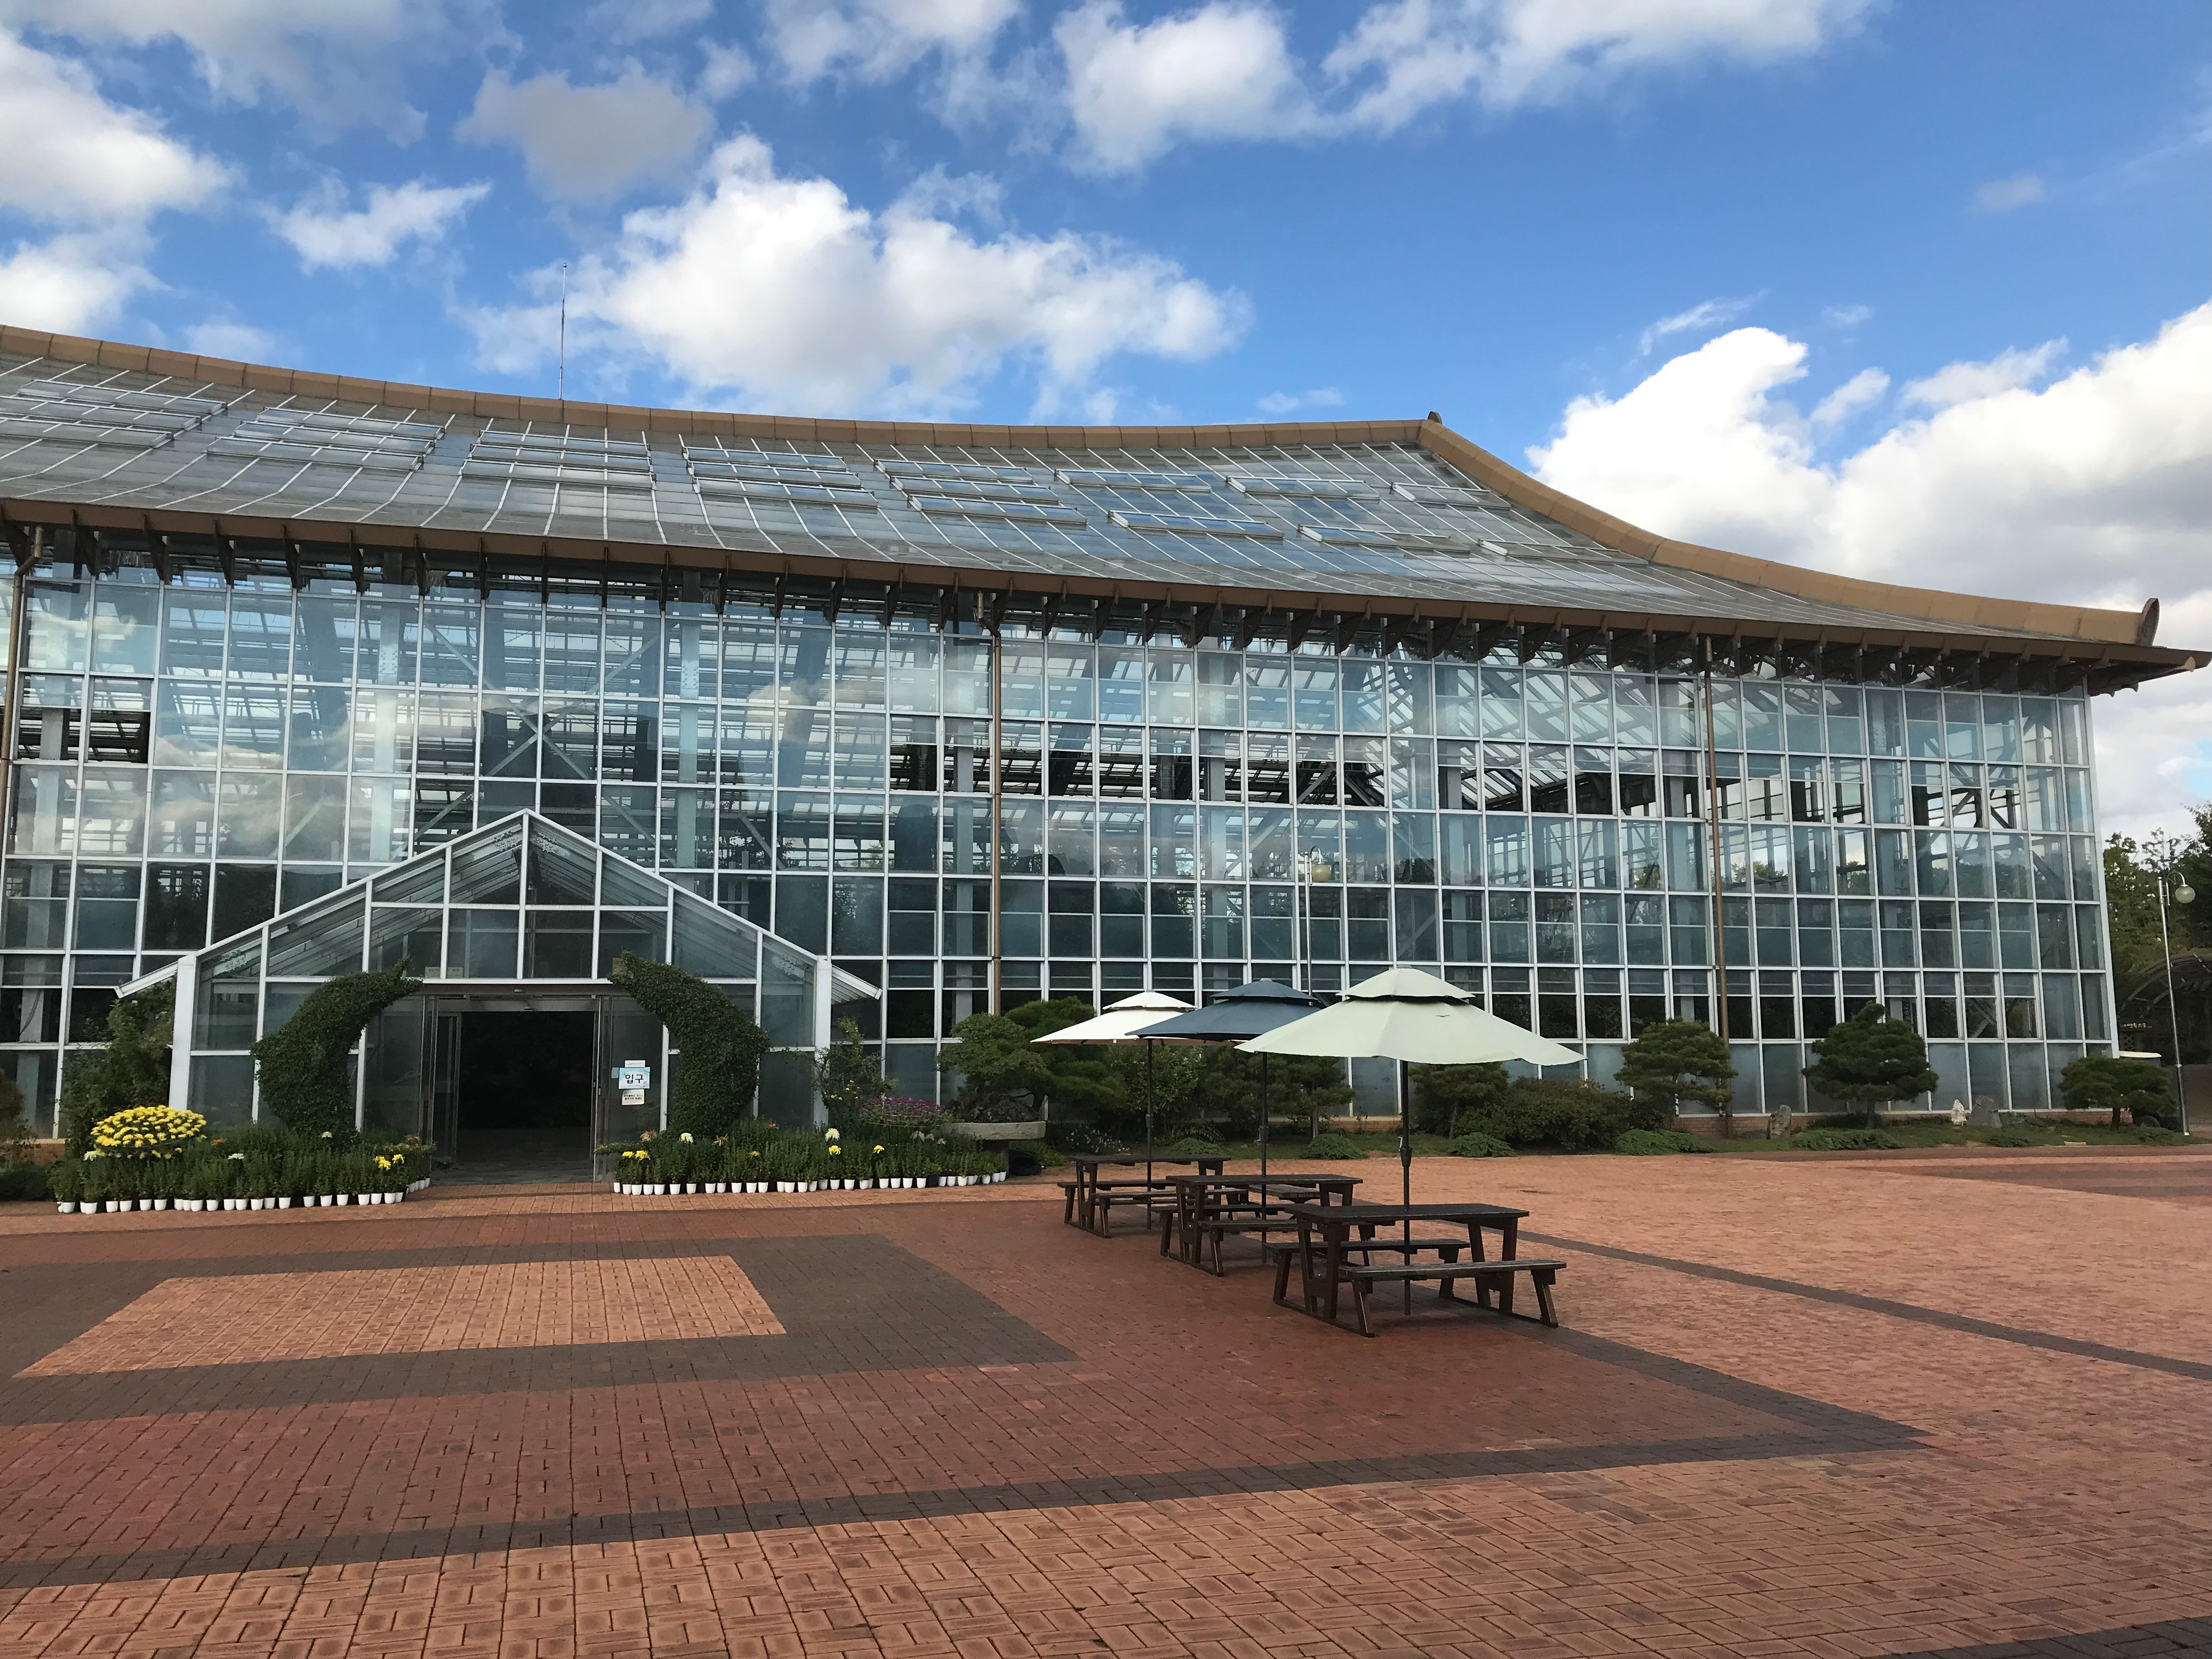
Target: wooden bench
[[1284, 1253], [1214, 1228], [1543, 1275]]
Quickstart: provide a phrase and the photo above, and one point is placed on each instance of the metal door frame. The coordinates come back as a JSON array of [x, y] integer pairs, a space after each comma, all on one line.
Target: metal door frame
[[448, 1001]]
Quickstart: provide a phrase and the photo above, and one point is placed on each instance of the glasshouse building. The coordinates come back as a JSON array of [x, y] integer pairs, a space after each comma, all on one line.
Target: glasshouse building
[[902, 722]]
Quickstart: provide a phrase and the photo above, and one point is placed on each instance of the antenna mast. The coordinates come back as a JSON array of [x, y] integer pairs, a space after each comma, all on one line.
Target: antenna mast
[[561, 383]]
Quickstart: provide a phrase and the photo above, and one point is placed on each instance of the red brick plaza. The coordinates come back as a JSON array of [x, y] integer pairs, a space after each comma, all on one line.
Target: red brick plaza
[[1953, 1403]]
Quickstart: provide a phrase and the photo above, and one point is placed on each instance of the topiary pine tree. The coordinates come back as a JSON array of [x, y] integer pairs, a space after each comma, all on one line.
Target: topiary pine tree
[[2102, 1082], [1871, 1059], [1677, 1061], [1085, 1083], [1443, 1095], [132, 1070], [307, 1081], [1312, 1086], [722, 1046], [1001, 1076]]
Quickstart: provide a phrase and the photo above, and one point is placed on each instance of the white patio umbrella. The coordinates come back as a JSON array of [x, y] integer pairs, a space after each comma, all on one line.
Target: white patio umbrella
[[1122, 1022], [1414, 1018]]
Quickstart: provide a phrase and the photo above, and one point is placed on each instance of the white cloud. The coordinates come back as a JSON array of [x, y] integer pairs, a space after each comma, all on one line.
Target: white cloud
[[1226, 69], [878, 39], [585, 143], [1404, 56], [643, 20], [1222, 72], [334, 59], [783, 293], [1709, 313], [68, 156], [2095, 489], [724, 70], [1283, 403], [240, 342], [1963, 382], [1855, 394], [74, 284], [326, 235], [2004, 195], [1846, 317]]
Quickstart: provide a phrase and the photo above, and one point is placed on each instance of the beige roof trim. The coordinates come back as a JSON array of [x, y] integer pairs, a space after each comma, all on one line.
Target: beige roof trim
[[1962, 609]]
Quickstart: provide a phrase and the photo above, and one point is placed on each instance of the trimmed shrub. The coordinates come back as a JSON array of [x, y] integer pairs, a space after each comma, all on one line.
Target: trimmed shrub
[[1565, 1113], [722, 1046], [132, 1070], [2157, 1134], [2011, 1137], [305, 1063], [1654, 1143], [1844, 1140], [24, 1180], [1480, 1146], [1333, 1148]]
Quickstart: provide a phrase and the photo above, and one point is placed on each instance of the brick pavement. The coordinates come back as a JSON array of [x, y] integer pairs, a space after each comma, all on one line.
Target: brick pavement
[[1818, 1408]]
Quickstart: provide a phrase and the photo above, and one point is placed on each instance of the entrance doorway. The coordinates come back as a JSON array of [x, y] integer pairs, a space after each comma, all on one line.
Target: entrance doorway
[[523, 1087]]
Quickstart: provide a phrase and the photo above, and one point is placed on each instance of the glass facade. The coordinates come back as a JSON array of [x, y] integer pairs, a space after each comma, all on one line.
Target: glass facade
[[196, 757]]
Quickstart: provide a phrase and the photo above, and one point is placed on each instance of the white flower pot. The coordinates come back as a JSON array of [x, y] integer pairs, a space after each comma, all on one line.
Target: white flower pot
[[66, 1209]]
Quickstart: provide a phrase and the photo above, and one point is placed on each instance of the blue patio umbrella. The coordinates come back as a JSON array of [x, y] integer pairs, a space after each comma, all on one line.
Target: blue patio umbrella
[[1251, 1010]]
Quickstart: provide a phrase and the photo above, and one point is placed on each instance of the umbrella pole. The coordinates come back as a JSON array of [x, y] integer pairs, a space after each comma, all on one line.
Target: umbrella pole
[[1263, 1131], [1406, 1170], [1149, 1047]]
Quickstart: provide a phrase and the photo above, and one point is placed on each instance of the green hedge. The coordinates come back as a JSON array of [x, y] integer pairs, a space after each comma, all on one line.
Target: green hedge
[[1654, 1143], [1844, 1140], [720, 1044], [306, 1063], [1565, 1113], [1480, 1146]]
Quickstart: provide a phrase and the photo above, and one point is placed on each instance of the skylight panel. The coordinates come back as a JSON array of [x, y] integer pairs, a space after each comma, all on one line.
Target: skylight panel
[[116, 397], [1193, 524], [1317, 489], [1390, 541], [1129, 478], [700, 449], [606, 447], [112, 437], [1441, 494], [533, 471], [840, 478], [251, 446], [770, 489], [989, 492], [62, 412], [334, 439], [952, 506], [958, 470]]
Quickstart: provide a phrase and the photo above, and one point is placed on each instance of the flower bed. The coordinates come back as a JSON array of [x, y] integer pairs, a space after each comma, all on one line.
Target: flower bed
[[755, 1157], [167, 1161]]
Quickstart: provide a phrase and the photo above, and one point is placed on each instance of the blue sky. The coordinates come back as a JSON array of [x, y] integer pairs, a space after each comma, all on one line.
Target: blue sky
[[1915, 291]]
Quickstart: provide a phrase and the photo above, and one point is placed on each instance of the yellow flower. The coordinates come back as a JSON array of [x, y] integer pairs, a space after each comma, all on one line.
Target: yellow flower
[[880, 1148], [836, 1151]]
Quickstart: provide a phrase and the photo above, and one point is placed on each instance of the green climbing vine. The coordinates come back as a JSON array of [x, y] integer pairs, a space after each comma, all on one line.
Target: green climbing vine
[[306, 1082], [720, 1045], [132, 1070]]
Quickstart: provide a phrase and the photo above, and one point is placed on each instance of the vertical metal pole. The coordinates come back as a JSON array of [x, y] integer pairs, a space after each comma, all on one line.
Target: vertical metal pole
[[1720, 923], [181, 1030], [2164, 859], [997, 760], [18, 631]]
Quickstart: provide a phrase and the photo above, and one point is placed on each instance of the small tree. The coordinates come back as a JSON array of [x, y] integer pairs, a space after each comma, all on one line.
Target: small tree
[[1677, 1061], [1310, 1085], [132, 1070], [2101, 1083], [1085, 1082], [720, 1045], [1175, 1073], [1871, 1059], [1443, 1095], [849, 1075], [1001, 1076], [306, 1080]]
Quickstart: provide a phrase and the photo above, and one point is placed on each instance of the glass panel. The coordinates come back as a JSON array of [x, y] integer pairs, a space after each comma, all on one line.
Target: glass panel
[[413, 883], [490, 871], [621, 885], [317, 945], [642, 934], [558, 945], [710, 944], [561, 867], [408, 934], [481, 944], [787, 985]]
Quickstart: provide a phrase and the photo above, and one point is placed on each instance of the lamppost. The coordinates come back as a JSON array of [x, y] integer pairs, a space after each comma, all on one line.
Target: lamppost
[[2164, 856]]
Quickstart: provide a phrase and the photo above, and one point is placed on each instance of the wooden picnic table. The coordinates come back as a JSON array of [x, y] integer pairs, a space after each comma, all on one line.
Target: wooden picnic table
[[1325, 1239], [1083, 1208], [1207, 1204]]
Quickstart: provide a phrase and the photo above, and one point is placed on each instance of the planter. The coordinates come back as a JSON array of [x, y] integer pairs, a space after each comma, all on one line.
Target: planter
[[66, 1209], [1033, 1130]]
